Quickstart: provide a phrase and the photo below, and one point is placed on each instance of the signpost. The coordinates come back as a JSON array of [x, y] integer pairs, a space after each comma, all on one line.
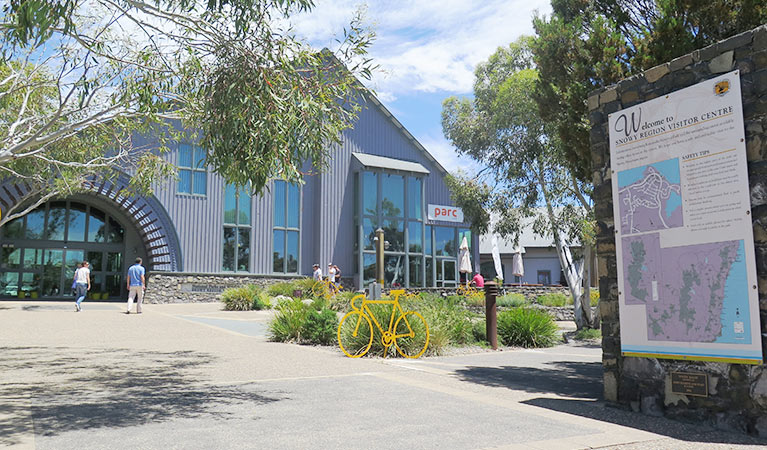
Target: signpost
[[684, 241]]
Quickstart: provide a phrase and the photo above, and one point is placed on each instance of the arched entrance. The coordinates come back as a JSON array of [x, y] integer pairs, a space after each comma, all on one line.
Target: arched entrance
[[39, 252]]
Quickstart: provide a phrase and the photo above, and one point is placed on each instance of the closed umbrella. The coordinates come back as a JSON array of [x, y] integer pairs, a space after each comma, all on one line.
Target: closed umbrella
[[517, 267], [497, 259], [464, 257]]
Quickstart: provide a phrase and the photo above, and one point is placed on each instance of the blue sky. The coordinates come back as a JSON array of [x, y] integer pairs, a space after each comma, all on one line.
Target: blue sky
[[427, 51]]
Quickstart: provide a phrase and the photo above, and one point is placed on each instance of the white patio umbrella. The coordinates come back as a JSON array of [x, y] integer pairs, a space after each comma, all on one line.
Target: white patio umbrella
[[465, 258], [517, 267]]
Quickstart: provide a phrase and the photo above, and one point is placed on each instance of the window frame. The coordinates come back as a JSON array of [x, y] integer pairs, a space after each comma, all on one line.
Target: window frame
[[237, 226], [286, 229], [196, 167]]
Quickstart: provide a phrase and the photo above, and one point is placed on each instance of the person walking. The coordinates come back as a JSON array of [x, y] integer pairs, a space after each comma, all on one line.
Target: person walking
[[82, 284], [337, 275], [331, 273], [317, 274], [136, 284]]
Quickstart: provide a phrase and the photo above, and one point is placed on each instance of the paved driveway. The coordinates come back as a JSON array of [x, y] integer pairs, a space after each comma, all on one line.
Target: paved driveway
[[192, 376]]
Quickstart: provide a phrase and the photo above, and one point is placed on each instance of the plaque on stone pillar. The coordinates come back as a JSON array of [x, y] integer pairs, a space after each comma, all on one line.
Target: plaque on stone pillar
[[689, 383]]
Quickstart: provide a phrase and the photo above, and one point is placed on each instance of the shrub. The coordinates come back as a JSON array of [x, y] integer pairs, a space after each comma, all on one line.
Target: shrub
[[288, 322], [588, 334], [555, 299], [594, 301], [527, 327], [320, 327], [511, 300], [261, 301], [285, 288], [239, 298], [477, 300], [479, 330], [342, 301]]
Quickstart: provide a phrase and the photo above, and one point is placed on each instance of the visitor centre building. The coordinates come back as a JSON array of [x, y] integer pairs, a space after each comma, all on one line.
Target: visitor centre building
[[198, 235]]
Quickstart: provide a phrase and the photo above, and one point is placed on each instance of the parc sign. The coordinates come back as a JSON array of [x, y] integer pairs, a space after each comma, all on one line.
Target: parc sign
[[445, 213]]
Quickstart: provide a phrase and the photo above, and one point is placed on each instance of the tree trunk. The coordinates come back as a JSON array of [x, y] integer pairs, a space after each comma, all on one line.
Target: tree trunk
[[573, 272]]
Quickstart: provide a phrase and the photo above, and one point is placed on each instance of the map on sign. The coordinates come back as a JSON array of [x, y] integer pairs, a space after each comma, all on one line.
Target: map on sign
[[691, 293], [650, 197]]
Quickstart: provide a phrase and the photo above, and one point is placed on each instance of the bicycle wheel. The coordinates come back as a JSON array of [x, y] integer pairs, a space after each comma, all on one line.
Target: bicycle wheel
[[319, 289], [416, 336], [355, 335]]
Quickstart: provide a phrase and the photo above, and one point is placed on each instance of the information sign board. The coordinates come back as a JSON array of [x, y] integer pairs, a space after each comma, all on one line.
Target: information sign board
[[444, 213], [684, 241]]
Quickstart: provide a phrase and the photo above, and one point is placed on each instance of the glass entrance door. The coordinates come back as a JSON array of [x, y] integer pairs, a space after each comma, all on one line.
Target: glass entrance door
[[446, 273]]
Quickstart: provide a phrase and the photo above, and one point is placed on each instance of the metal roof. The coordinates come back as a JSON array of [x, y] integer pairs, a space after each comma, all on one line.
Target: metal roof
[[382, 162]]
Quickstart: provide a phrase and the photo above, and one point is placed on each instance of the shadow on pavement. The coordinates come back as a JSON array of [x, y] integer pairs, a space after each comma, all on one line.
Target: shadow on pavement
[[62, 390], [567, 379], [659, 425]]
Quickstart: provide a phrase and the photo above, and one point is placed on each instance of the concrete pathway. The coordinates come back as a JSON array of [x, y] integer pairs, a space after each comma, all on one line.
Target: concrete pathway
[[195, 377]]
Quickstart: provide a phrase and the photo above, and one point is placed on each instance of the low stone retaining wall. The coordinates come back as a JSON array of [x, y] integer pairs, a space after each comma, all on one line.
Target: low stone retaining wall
[[530, 292], [198, 288]]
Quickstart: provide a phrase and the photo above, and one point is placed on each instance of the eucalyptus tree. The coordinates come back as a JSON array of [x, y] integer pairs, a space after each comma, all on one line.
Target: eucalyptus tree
[[81, 79], [502, 129]]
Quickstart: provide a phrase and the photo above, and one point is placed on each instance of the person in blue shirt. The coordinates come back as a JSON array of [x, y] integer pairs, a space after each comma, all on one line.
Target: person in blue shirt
[[136, 283]]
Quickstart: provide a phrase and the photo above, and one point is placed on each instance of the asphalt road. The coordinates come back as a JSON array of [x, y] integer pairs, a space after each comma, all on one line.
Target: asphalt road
[[194, 377]]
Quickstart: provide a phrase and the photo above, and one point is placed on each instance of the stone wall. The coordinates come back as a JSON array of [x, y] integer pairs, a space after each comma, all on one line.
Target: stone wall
[[530, 292], [192, 288], [737, 393]]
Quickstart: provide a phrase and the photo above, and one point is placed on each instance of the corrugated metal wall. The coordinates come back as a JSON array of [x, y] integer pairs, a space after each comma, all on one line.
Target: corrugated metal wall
[[327, 216]]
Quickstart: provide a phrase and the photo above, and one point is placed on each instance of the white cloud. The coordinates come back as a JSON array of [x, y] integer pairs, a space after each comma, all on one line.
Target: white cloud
[[430, 45], [445, 153]]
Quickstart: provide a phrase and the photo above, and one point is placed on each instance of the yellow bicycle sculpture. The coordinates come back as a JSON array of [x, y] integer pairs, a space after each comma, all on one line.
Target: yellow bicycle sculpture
[[467, 291], [325, 289], [409, 333]]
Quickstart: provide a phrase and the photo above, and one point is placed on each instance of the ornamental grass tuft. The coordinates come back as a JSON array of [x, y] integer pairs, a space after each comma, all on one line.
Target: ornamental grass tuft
[[527, 327]]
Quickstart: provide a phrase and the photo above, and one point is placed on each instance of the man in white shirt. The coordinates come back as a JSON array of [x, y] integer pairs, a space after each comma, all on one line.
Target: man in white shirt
[[317, 275], [331, 273]]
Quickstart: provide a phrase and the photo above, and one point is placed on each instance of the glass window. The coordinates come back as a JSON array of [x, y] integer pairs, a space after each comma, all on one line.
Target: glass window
[[185, 181], [113, 285], [54, 260], [444, 241], [11, 258], [230, 243], [394, 233], [116, 231], [57, 217], [287, 223], [200, 182], [230, 204], [294, 205], [429, 272], [243, 249], [96, 260], [114, 262], [394, 271], [467, 233], [77, 213], [192, 171], [279, 251], [449, 269], [96, 226], [414, 237], [33, 258], [30, 282], [35, 223], [427, 245], [369, 192], [368, 268], [414, 198], [416, 271], [393, 196], [236, 244], [10, 283], [14, 229], [279, 203], [369, 227], [292, 252]]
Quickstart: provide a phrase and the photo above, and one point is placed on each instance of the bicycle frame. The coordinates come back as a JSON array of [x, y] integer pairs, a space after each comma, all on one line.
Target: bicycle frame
[[365, 309]]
